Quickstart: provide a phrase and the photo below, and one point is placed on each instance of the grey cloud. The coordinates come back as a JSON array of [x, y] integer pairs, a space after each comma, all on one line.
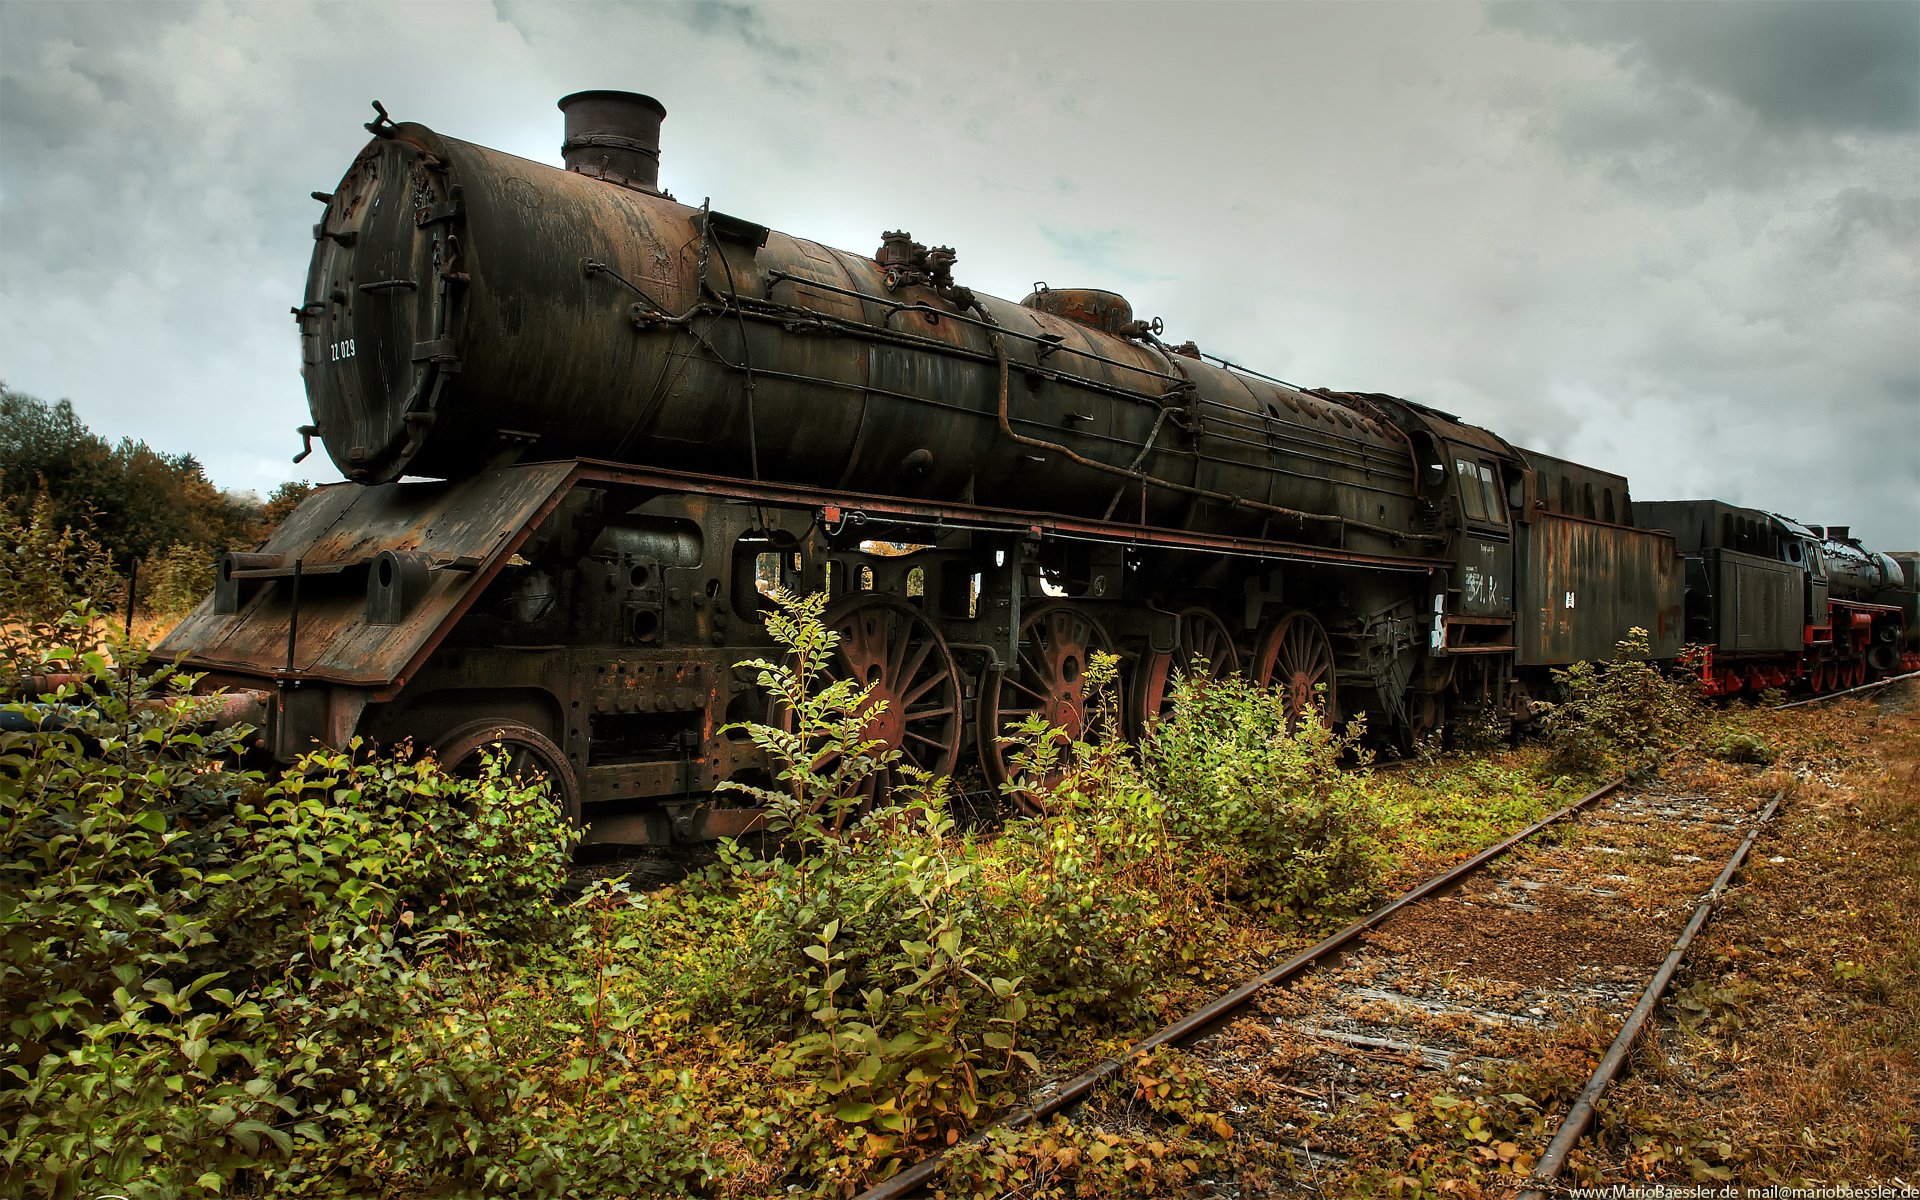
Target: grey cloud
[[1109, 253], [1545, 231], [1822, 65]]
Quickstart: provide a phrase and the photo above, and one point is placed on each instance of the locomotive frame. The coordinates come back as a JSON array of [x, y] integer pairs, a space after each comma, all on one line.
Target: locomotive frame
[[644, 415]]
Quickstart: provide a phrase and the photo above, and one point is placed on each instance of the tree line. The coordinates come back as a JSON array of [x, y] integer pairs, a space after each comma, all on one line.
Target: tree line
[[82, 515]]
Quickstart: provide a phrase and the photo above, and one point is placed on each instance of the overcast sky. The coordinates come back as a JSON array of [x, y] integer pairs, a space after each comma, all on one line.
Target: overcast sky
[[1676, 240]]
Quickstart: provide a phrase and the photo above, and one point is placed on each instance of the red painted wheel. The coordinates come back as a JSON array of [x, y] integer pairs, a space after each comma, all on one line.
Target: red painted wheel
[[1295, 655], [1057, 640], [892, 646], [1202, 636]]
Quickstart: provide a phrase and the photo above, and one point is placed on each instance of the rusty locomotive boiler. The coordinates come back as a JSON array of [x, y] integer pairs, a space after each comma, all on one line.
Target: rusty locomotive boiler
[[545, 314], [587, 428]]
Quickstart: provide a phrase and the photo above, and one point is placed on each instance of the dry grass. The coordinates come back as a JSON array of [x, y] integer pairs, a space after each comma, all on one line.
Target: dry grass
[[1790, 1048], [1788, 1051]]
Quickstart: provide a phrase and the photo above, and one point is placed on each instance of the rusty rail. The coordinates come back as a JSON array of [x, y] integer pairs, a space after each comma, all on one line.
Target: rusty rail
[[1865, 687], [1207, 1018], [1574, 1125]]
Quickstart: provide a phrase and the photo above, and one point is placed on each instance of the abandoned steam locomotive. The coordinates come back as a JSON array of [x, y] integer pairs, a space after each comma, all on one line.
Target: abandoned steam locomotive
[[587, 428]]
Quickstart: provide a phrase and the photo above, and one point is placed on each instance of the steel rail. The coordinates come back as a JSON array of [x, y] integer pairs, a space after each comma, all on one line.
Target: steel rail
[[1574, 1125], [1211, 1016], [1865, 687]]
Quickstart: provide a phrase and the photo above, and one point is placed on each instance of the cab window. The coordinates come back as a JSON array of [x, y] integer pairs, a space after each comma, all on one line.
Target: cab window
[[1473, 499], [1490, 488], [1480, 497]]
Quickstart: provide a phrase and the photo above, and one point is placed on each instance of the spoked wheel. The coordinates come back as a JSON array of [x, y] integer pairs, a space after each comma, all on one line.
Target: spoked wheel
[[529, 756], [895, 648], [1202, 636], [1295, 655], [1056, 642]]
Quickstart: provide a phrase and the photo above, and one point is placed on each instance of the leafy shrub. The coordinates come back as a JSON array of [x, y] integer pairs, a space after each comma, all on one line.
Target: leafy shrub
[[47, 568], [1167, 1140], [1271, 818], [357, 977], [904, 975], [1622, 714], [1745, 746], [821, 749], [217, 981], [1478, 727], [1072, 911], [865, 949], [176, 579]]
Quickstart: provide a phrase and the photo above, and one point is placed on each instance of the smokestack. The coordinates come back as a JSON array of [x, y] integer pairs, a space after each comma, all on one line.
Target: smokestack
[[614, 136]]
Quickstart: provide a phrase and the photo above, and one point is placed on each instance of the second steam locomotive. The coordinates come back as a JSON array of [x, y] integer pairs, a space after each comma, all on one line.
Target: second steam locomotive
[[587, 429]]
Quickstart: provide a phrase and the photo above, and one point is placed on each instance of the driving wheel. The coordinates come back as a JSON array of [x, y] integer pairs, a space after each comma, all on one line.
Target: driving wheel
[[1057, 640], [1295, 655], [1202, 636], [892, 646]]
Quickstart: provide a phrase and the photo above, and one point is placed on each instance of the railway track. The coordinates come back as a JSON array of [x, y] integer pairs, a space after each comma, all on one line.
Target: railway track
[[1577, 922], [1875, 686]]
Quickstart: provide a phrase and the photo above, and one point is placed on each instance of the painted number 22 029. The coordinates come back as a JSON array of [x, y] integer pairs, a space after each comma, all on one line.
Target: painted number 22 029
[[342, 349]]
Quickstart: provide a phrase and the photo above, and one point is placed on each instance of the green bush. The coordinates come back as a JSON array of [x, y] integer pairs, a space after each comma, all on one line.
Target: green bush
[[173, 581], [903, 975], [1264, 816], [1745, 746], [47, 568], [220, 982], [864, 955], [1621, 715], [1075, 912], [358, 977]]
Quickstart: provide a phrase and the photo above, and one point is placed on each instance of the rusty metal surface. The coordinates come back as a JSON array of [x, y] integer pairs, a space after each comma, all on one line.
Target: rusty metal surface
[[539, 311], [1448, 427], [1092, 307], [1584, 584], [614, 136], [466, 529], [1706, 524], [1573, 489], [632, 674], [1758, 604]]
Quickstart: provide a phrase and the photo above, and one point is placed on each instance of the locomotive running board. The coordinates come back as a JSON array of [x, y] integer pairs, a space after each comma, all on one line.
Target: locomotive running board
[[326, 631], [861, 507]]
